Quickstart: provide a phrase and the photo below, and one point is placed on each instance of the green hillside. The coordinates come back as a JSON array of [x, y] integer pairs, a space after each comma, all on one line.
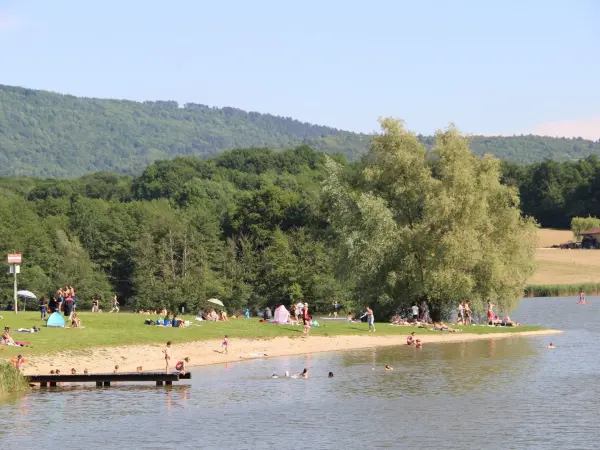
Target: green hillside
[[53, 135]]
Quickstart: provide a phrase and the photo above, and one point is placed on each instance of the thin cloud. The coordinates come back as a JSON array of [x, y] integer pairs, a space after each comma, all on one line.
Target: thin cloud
[[586, 128]]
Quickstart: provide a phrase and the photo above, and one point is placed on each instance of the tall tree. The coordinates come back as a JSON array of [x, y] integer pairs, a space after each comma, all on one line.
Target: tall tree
[[409, 234]]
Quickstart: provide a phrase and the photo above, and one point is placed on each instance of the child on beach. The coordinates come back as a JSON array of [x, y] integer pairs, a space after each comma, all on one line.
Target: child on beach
[[225, 344], [19, 362], [167, 352], [180, 366], [410, 340]]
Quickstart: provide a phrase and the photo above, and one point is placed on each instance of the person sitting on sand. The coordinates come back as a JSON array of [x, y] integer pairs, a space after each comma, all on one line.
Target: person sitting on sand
[[73, 371], [116, 369], [388, 367], [410, 339], [85, 372], [551, 345], [140, 369]]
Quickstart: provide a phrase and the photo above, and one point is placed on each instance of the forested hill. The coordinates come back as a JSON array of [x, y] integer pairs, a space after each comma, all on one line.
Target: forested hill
[[53, 135]]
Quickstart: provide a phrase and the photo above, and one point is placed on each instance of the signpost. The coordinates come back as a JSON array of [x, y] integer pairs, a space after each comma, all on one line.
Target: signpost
[[14, 261]]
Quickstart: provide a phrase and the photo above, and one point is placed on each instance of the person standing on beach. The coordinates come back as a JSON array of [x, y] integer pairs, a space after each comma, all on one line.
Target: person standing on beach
[[225, 344], [167, 353], [306, 319]]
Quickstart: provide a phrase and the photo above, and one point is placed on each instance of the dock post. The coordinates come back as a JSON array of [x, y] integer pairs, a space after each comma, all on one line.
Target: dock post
[[169, 383], [159, 383], [53, 384], [98, 383], [43, 384], [107, 383]]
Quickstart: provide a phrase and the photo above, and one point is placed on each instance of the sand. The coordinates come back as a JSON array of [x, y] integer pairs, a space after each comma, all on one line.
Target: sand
[[150, 357]]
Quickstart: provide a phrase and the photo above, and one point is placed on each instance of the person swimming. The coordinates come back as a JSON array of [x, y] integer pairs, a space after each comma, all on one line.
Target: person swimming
[[274, 376], [551, 345], [287, 373], [304, 373], [330, 375], [388, 367]]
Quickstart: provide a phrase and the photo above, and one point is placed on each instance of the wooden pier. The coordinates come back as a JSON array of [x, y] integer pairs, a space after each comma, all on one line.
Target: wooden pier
[[104, 379]]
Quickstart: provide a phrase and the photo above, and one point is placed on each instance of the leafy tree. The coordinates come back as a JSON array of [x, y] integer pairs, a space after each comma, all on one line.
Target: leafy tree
[[409, 235], [581, 224]]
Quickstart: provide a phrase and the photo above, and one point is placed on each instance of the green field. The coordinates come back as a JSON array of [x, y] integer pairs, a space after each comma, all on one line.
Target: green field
[[108, 330]]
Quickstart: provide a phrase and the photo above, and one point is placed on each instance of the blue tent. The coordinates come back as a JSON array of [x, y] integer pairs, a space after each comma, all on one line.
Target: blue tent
[[56, 320]]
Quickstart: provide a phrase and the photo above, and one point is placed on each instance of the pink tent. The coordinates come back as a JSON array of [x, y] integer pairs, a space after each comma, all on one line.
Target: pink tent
[[281, 315]]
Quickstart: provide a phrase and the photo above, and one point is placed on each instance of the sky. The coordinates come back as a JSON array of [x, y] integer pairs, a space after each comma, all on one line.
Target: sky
[[490, 66]]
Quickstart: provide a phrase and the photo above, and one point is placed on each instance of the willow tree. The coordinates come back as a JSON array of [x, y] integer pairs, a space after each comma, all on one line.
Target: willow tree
[[437, 227]]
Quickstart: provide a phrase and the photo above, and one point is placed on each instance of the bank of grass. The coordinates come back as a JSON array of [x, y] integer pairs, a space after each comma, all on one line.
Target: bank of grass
[[109, 330], [561, 290], [11, 379]]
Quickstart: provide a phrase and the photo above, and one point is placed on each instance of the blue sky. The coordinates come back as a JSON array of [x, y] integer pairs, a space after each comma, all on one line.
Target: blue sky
[[494, 67]]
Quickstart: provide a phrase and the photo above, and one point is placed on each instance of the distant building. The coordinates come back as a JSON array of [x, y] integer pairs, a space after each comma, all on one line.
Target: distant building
[[590, 238]]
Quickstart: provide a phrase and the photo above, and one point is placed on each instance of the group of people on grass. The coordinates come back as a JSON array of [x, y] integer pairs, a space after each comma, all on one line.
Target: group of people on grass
[[63, 301]]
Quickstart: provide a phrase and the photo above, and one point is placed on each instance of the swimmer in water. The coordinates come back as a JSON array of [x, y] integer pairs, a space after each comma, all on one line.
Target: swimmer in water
[[287, 373], [418, 343], [274, 376], [388, 367], [551, 345], [304, 373], [330, 375]]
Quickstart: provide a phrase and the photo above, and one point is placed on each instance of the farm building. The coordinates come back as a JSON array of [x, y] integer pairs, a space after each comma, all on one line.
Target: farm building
[[590, 238]]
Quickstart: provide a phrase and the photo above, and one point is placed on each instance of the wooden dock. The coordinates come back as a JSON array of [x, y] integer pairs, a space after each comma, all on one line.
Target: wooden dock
[[104, 379]]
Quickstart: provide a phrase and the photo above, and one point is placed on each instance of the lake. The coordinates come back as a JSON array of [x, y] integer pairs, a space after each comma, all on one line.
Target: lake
[[510, 393]]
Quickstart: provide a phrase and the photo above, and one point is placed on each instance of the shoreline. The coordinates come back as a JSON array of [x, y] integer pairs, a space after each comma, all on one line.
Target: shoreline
[[203, 353]]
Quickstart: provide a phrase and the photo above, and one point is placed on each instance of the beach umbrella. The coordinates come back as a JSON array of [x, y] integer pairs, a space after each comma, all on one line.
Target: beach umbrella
[[215, 301], [25, 295]]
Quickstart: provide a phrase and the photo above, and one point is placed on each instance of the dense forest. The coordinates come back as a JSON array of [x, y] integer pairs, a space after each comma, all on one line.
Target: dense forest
[[250, 226], [247, 227], [555, 192], [45, 134]]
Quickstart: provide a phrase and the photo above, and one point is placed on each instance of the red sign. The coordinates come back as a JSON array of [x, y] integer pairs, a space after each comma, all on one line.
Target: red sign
[[14, 258]]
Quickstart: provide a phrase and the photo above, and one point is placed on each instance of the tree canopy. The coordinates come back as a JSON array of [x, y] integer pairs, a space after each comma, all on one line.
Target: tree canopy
[[413, 229]]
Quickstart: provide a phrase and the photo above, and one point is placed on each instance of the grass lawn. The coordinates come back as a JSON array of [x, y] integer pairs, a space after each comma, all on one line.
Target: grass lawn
[[107, 330]]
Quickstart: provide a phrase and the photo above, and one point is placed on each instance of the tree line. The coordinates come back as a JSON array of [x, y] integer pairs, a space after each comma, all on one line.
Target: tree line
[[556, 192], [407, 223]]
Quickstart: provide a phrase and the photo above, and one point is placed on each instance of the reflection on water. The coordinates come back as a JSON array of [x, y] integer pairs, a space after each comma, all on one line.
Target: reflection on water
[[508, 393]]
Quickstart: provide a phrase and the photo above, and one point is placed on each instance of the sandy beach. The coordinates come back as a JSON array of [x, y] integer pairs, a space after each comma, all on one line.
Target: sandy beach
[[150, 357]]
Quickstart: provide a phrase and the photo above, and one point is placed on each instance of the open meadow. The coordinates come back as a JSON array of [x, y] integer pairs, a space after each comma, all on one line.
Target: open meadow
[[555, 267], [547, 237]]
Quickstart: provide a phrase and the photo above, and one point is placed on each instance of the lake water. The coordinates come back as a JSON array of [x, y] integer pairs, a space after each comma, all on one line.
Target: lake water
[[510, 393]]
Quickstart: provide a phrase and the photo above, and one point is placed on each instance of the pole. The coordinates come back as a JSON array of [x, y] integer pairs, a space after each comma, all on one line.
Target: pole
[[15, 292]]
